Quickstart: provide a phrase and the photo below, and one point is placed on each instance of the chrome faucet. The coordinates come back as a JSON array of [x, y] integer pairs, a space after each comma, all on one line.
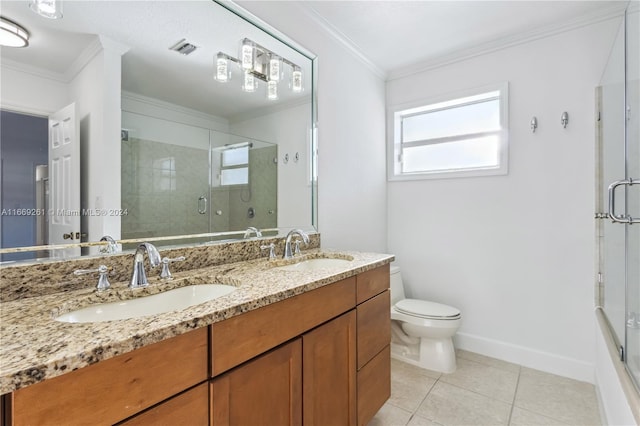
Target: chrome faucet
[[111, 247], [139, 277], [251, 229], [287, 244]]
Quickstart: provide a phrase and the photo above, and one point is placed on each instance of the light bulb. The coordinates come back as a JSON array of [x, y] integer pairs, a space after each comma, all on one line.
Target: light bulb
[[274, 68], [296, 79], [51, 9], [246, 54], [272, 90], [222, 68], [250, 84]]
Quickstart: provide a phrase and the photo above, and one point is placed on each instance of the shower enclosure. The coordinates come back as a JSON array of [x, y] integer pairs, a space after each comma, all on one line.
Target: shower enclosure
[[618, 192], [179, 179]]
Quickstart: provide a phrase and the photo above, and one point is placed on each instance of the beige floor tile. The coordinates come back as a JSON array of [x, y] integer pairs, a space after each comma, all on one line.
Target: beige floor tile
[[390, 415], [450, 405], [522, 417], [484, 379], [421, 421], [408, 391], [493, 362], [409, 370], [566, 400]]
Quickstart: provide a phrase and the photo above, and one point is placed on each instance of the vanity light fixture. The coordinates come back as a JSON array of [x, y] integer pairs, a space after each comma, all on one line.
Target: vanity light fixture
[[12, 34], [51, 9], [258, 63]]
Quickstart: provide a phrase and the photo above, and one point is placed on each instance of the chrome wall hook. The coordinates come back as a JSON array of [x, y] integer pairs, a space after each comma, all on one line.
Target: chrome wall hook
[[564, 119], [534, 124]]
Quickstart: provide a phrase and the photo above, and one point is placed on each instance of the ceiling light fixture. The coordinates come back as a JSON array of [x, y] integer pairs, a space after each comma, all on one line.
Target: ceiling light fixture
[[12, 34], [258, 63], [51, 9]]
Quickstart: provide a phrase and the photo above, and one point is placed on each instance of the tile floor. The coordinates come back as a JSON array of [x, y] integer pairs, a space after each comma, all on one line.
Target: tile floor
[[485, 391]]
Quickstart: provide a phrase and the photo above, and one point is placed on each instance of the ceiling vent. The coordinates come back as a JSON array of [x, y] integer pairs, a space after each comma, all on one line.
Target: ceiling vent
[[183, 47]]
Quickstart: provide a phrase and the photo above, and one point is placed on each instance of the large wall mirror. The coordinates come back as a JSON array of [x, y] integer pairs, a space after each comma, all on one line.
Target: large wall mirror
[[183, 118]]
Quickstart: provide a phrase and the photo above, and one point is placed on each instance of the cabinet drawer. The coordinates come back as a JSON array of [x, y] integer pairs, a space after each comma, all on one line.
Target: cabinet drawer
[[240, 338], [372, 282], [117, 388], [190, 408], [374, 326], [374, 385]]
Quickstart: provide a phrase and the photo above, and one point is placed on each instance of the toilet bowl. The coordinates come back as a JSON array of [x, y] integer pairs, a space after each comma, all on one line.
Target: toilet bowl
[[422, 331]]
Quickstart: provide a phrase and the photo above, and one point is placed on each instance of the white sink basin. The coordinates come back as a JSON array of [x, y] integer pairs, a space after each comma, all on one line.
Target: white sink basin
[[315, 264], [168, 301]]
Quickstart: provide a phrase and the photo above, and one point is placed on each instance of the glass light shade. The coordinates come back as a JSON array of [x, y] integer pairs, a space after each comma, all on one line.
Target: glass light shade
[[51, 9], [272, 90], [275, 68], [249, 84], [12, 34], [222, 68], [247, 54], [296, 80]]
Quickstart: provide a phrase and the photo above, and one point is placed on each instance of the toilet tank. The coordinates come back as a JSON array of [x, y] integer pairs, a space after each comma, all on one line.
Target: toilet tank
[[397, 289]]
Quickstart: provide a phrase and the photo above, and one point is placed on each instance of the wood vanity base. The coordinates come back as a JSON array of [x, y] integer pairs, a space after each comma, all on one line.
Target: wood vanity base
[[318, 358]]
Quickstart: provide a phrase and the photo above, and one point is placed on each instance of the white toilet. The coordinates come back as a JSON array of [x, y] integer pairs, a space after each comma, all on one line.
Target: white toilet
[[422, 331]]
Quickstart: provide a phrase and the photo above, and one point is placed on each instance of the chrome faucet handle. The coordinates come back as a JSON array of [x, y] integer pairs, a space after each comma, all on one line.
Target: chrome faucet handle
[[272, 250], [166, 273], [296, 250], [103, 281]]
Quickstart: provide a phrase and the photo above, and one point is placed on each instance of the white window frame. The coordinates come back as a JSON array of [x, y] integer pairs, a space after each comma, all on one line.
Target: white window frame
[[394, 136]]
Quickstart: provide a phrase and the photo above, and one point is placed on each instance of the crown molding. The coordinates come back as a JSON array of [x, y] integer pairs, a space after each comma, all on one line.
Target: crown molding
[[135, 97], [595, 17], [341, 38]]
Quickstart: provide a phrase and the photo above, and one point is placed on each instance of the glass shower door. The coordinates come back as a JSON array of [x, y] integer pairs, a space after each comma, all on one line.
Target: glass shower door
[[619, 192]]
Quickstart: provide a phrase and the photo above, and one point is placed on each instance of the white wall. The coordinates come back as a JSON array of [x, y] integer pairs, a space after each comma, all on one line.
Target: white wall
[[96, 92], [290, 129], [514, 253], [351, 101], [34, 92]]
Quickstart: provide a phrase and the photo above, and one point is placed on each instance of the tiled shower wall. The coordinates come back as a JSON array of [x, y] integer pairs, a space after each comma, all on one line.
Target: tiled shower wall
[[162, 182]]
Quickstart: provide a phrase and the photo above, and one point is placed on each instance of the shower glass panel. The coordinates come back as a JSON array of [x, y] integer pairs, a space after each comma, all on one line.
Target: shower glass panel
[[619, 159], [612, 166], [632, 353], [244, 183], [165, 172]]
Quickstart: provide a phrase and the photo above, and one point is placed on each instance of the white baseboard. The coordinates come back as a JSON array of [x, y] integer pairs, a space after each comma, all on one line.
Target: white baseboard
[[527, 357]]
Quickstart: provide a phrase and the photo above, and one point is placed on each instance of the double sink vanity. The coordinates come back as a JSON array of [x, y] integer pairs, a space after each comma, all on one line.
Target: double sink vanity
[[231, 338]]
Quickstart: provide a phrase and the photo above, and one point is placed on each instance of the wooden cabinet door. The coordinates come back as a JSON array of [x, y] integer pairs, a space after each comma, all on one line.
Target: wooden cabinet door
[[329, 371], [190, 408], [264, 391]]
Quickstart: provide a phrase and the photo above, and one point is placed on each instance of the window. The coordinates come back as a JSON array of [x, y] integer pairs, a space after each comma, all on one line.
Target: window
[[235, 165], [465, 135]]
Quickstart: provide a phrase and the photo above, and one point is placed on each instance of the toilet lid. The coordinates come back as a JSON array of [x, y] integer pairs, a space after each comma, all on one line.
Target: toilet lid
[[425, 309]]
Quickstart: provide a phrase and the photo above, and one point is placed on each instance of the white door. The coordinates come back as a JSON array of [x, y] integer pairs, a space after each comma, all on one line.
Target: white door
[[64, 180]]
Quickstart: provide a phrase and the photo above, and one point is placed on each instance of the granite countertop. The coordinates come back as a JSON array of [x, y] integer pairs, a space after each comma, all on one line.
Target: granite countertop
[[34, 347]]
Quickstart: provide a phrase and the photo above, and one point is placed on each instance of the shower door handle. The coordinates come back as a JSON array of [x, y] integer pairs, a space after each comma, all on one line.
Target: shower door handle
[[202, 204], [620, 218]]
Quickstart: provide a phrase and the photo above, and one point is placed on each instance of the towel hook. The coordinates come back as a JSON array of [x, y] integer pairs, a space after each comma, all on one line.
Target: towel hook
[[564, 119]]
